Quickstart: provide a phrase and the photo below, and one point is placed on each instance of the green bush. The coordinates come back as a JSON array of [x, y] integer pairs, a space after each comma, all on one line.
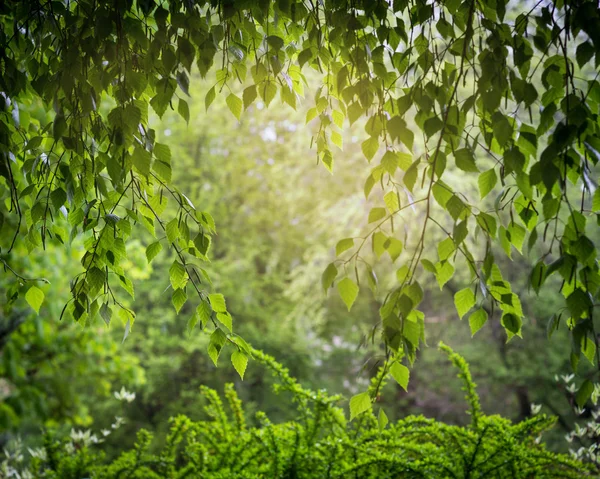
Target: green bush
[[320, 443]]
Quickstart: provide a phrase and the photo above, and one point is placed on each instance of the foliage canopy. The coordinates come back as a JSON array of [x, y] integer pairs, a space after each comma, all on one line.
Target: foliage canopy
[[510, 101]]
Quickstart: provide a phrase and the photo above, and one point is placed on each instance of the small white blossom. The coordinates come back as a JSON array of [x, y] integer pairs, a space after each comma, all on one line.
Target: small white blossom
[[119, 421], [38, 452], [567, 378], [580, 431], [535, 408], [124, 395]]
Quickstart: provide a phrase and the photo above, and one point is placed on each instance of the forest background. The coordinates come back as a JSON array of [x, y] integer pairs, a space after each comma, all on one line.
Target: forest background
[[278, 216]]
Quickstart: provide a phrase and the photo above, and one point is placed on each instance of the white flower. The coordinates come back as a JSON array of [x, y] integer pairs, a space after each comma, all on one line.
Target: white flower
[[580, 431], [38, 452], [119, 421], [535, 408], [567, 378], [105, 432], [124, 395], [79, 436], [84, 437]]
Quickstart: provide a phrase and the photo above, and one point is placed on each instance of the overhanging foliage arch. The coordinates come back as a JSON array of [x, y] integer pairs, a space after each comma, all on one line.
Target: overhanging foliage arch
[[512, 99]]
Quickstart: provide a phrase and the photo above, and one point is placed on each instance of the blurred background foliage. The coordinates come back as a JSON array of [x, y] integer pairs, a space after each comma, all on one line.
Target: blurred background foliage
[[278, 217]]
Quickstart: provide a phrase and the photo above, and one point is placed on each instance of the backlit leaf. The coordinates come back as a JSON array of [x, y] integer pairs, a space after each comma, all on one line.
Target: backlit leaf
[[464, 300], [240, 362], [359, 404], [348, 291], [401, 374], [35, 298]]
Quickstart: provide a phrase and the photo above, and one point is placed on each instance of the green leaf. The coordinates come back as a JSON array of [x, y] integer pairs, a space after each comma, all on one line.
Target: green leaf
[[127, 285], [152, 250], [127, 329], [389, 162], [376, 214], [106, 313], [217, 301], [359, 404], [382, 420], [588, 348], [235, 104], [596, 201], [191, 324], [141, 159], [249, 96], [517, 235], [348, 291], [177, 275], [455, 207], [337, 140], [477, 320], [487, 180], [204, 312], [178, 299], [215, 345], [583, 248], [184, 110], [226, 320], [538, 276], [465, 160], [343, 245], [379, 243], [464, 300], [96, 278], [446, 248], [579, 303], [268, 92], [392, 201], [311, 114], [511, 322], [369, 147], [35, 298], [401, 374], [503, 130], [432, 126], [328, 276], [394, 247], [209, 98], [487, 223], [444, 271], [172, 230], [584, 53], [584, 393], [240, 362]]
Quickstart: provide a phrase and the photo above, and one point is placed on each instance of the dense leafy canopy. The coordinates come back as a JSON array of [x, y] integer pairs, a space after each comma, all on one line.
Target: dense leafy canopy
[[512, 102]]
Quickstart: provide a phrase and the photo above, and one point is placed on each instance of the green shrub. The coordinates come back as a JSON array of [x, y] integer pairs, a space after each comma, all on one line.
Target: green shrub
[[321, 443]]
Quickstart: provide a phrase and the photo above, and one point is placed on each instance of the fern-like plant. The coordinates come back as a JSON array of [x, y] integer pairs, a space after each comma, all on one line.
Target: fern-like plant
[[321, 443]]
